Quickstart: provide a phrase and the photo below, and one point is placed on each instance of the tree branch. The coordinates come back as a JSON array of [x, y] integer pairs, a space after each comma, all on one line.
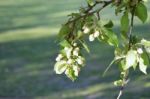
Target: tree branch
[[87, 12]]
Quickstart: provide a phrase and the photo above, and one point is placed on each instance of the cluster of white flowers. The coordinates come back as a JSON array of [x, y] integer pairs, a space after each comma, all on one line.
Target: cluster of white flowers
[[92, 36], [134, 58], [70, 60]]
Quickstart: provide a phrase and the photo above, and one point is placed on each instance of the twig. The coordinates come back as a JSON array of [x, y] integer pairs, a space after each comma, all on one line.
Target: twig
[[87, 12], [131, 26], [120, 93]]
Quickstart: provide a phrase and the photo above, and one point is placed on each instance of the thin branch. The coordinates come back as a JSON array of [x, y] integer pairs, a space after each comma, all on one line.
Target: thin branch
[[87, 12], [120, 93], [131, 26], [130, 38]]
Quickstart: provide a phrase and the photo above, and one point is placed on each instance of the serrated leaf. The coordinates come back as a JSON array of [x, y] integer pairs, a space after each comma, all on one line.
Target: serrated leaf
[[90, 2], [141, 12], [131, 59], [60, 67]]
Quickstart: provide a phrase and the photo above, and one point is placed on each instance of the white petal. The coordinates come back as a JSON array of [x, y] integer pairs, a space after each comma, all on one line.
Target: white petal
[[60, 67], [59, 57], [139, 50], [86, 30], [76, 70], [74, 44], [76, 53], [96, 34], [70, 61], [131, 59], [91, 37], [80, 61]]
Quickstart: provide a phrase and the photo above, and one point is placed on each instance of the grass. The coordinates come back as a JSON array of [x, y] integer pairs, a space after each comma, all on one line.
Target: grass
[[28, 49]]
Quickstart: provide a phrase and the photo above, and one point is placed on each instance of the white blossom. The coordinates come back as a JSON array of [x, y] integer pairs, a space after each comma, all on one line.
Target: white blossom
[[76, 70], [80, 60], [76, 53], [91, 37], [59, 57], [70, 61], [68, 51], [139, 50], [86, 30], [60, 67], [74, 44], [96, 34]]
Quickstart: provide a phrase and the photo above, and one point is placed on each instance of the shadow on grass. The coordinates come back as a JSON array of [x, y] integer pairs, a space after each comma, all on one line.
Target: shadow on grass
[[27, 71]]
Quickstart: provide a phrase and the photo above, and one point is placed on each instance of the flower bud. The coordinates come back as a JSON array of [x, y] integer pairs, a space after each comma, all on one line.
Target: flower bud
[[80, 60], [74, 44], [75, 52], [91, 37], [86, 30], [68, 51], [96, 34], [76, 70]]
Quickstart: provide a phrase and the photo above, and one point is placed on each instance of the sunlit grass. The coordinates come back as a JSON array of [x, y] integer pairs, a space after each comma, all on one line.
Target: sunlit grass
[[26, 34]]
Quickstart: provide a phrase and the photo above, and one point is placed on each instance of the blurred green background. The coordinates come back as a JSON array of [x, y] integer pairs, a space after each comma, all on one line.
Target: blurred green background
[[28, 49]]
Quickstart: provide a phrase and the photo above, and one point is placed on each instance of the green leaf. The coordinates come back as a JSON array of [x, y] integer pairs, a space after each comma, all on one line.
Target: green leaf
[[145, 57], [112, 37], [64, 31], [90, 2], [142, 66], [79, 34], [141, 12], [131, 59], [60, 67], [70, 74], [65, 43], [109, 24], [125, 23]]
